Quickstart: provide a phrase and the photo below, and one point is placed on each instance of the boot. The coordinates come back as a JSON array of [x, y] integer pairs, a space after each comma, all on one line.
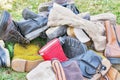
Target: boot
[[113, 45], [55, 32], [43, 71], [46, 7], [28, 14], [21, 32], [9, 31], [4, 55], [112, 74], [72, 47], [32, 28], [94, 30], [26, 57]]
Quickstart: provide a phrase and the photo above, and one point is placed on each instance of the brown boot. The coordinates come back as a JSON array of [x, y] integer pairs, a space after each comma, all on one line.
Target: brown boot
[[113, 45]]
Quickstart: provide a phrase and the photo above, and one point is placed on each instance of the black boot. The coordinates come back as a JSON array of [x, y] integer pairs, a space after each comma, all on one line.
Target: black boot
[[32, 28], [9, 31], [28, 14]]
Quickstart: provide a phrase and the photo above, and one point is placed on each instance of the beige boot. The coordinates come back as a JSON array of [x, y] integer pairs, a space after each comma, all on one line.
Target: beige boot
[[66, 17]]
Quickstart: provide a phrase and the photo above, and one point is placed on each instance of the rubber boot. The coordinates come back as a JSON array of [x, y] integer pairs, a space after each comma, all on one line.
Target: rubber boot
[[26, 58], [9, 31]]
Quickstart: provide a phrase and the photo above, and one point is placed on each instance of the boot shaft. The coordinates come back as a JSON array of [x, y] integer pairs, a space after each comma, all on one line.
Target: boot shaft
[[9, 30], [27, 14], [30, 25]]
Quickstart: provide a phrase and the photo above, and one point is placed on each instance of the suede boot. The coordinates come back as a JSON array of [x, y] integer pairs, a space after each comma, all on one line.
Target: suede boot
[[66, 17], [9, 31], [26, 57], [4, 55]]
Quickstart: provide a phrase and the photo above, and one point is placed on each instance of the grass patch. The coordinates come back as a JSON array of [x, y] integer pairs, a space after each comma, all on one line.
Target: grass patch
[[9, 74], [100, 6], [15, 8]]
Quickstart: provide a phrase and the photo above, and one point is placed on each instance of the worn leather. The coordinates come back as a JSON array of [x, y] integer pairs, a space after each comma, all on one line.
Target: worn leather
[[28, 14], [72, 70], [30, 25], [65, 3], [72, 47], [90, 64], [55, 32], [112, 74], [9, 31], [112, 48]]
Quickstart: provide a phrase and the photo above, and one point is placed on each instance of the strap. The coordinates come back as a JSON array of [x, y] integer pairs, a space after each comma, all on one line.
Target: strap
[[57, 67]]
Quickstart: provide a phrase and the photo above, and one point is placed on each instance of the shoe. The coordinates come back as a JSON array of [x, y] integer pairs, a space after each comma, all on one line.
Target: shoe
[[26, 57]]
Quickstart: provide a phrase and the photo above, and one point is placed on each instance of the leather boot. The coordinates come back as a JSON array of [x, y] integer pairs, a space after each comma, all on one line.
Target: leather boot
[[32, 28], [112, 49], [28, 14], [46, 7], [72, 47], [9, 31]]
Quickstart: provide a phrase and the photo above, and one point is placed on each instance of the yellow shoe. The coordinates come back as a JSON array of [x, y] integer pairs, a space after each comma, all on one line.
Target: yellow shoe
[[26, 57]]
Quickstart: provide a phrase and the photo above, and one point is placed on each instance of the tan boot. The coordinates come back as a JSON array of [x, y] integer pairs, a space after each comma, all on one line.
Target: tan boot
[[112, 48], [94, 30], [112, 74]]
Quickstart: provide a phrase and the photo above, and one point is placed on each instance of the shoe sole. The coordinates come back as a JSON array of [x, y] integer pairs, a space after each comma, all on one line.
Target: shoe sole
[[22, 65], [35, 33], [4, 21]]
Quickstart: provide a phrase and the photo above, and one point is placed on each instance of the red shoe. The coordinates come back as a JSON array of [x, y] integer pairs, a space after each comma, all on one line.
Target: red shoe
[[53, 49]]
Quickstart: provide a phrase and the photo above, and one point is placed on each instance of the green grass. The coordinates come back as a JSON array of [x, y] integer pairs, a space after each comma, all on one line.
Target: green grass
[[8, 74], [100, 6], [15, 7]]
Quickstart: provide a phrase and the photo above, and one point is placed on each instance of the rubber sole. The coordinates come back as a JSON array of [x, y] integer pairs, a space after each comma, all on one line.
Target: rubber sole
[[22, 65]]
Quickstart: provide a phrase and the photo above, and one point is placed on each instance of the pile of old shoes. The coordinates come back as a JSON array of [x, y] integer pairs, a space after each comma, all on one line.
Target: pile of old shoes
[[79, 46]]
